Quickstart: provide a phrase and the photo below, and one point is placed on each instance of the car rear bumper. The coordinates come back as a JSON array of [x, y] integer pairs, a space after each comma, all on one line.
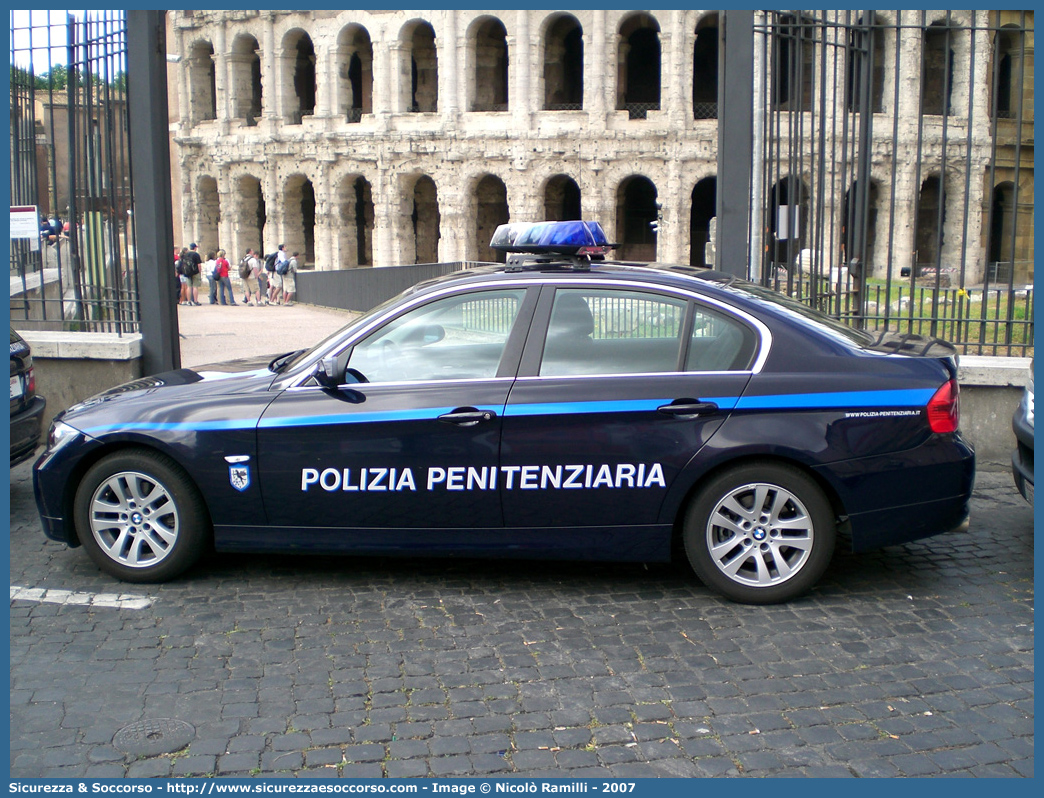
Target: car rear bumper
[[897, 525], [26, 429], [894, 499]]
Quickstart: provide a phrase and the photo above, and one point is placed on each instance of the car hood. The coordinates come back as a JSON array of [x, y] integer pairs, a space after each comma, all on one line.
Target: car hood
[[248, 375]]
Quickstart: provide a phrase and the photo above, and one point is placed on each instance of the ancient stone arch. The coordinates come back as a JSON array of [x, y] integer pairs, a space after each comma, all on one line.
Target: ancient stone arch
[[701, 210], [489, 199], [563, 72], [419, 69], [245, 87], [638, 62], [298, 75], [487, 52], [202, 82], [354, 222], [705, 69], [637, 209], [208, 213], [562, 199], [354, 72]]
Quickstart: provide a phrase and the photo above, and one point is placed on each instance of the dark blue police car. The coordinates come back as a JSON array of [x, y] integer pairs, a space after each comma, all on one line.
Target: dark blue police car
[[559, 406]]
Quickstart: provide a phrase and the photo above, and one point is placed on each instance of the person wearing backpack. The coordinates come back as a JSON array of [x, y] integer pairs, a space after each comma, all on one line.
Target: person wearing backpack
[[267, 273], [251, 286], [281, 270], [183, 281], [245, 273], [275, 276], [224, 281], [191, 263], [290, 280]]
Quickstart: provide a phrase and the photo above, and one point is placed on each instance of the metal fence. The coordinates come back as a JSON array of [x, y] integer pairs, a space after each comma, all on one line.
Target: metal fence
[[70, 158], [362, 289], [893, 172]]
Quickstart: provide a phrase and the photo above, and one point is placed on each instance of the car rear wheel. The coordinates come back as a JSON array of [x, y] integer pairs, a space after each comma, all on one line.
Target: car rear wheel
[[761, 533], [139, 516]]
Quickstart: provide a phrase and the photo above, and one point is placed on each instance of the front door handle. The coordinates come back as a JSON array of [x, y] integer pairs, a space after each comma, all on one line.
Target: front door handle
[[467, 416], [688, 408]]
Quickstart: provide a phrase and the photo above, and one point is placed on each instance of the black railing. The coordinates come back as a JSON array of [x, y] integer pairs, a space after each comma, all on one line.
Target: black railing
[[983, 320], [640, 110], [705, 110], [71, 159]]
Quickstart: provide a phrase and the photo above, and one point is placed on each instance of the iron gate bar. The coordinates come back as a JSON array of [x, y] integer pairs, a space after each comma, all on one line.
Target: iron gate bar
[[150, 161], [735, 143]]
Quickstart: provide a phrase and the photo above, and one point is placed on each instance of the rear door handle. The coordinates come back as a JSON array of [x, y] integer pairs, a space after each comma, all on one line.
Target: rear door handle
[[688, 408], [467, 416]]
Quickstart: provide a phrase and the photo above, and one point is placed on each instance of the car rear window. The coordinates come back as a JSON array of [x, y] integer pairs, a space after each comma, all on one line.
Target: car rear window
[[792, 306]]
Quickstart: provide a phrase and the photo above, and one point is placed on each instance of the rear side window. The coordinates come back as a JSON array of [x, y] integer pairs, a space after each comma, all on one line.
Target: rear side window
[[596, 331], [719, 343]]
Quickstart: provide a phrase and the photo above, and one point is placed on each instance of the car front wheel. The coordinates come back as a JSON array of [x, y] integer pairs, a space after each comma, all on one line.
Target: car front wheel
[[139, 516], [760, 533]]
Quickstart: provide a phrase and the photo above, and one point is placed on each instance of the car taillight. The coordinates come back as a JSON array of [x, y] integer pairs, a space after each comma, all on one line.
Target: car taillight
[[30, 382], [944, 408]]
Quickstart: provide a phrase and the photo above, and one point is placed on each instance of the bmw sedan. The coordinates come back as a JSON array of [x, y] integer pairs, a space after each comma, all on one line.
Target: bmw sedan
[[558, 406]]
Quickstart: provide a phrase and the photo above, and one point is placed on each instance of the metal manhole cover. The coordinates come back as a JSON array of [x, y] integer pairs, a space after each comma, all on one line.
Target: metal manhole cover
[[150, 737]]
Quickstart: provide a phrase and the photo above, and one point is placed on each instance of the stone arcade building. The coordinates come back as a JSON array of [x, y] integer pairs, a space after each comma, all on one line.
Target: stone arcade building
[[376, 138]]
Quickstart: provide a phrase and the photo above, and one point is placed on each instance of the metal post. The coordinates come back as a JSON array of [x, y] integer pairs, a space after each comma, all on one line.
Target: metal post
[[735, 140], [150, 167], [856, 224]]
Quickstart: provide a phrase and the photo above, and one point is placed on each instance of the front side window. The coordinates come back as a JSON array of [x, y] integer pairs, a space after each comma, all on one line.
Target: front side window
[[455, 338], [612, 332]]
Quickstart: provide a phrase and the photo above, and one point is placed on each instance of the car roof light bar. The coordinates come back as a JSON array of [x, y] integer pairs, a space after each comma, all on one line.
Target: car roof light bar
[[584, 239]]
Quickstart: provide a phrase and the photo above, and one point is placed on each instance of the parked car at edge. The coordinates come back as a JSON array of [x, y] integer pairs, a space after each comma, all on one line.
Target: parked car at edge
[[1022, 457], [26, 407], [559, 406]]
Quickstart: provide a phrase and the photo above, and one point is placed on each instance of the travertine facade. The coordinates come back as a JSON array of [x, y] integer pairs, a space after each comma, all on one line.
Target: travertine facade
[[387, 137]]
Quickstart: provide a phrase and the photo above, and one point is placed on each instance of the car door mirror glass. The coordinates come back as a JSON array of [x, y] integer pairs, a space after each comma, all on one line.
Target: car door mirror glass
[[354, 376]]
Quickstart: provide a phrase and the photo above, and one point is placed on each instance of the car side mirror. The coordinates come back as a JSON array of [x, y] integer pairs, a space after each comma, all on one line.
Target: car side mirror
[[326, 372]]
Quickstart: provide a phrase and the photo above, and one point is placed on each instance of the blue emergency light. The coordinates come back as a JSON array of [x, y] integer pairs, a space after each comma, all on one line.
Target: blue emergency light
[[552, 238]]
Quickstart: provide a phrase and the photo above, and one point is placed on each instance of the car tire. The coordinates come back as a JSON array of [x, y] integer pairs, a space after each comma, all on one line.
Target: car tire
[[140, 517], [760, 533]]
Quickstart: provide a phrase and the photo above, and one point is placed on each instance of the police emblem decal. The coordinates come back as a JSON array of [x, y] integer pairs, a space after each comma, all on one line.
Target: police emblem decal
[[239, 476]]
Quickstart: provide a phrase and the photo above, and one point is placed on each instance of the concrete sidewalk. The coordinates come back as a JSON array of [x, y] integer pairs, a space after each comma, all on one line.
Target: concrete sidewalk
[[213, 333]]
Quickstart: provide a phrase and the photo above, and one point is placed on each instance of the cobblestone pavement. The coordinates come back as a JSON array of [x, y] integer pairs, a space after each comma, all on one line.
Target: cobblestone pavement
[[916, 660]]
